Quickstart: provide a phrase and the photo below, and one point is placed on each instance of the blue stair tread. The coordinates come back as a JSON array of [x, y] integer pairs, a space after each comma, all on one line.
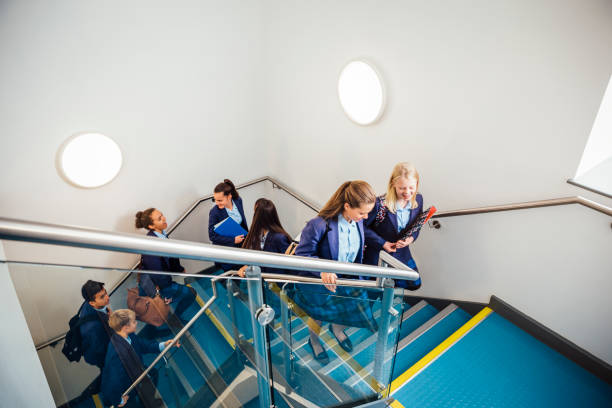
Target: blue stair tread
[[422, 345], [163, 385], [188, 369], [498, 364], [416, 320]]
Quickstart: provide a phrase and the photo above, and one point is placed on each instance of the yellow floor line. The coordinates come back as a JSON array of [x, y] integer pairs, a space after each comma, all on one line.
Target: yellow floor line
[[96, 400], [441, 348], [216, 322], [396, 404]]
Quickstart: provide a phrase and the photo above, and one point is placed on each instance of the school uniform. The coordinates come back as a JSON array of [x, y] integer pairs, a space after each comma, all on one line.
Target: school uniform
[[275, 242], [95, 335], [182, 296], [215, 216], [377, 233], [123, 365], [338, 240]]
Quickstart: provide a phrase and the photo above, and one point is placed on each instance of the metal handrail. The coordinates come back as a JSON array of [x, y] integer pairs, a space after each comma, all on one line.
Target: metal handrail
[[530, 204], [29, 231], [175, 339]]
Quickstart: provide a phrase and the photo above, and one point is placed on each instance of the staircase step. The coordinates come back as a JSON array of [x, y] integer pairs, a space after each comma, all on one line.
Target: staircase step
[[491, 362], [426, 337]]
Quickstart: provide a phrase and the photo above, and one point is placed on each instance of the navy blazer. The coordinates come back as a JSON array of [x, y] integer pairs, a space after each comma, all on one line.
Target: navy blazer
[[160, 263], [377, 235], [316, 243], [115, 379], [94, 335], [278, 243], [217, 215]]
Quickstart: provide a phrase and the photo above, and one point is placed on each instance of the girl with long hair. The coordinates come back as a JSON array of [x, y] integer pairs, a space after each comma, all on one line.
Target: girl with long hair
[[266, 233], [393, 211], [337, 233]]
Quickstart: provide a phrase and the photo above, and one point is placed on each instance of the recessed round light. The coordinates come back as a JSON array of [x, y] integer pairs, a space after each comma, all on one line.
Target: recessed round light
[[361, 92], [89, 160]]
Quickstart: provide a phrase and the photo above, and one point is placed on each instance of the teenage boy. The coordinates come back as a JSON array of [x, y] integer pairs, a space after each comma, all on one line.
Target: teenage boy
[[124, 364], [95, 334]]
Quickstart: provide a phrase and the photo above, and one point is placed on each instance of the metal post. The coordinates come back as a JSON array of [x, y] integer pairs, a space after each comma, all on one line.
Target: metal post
[[231, 292], [259, 319], [286, 334], [383, 331]]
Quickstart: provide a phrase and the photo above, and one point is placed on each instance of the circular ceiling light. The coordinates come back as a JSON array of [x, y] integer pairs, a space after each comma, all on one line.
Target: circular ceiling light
[[89, 160], [361, 92]]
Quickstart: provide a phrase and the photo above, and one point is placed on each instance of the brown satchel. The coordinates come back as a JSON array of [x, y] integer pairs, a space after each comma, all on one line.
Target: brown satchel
[[291, 248], [149, 310]]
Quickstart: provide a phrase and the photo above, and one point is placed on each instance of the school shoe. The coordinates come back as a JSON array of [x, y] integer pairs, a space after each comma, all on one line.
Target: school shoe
[[322, 357], [345, 344]]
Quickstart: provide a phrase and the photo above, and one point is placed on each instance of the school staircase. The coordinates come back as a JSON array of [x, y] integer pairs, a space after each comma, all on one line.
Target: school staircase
[[436, 357]]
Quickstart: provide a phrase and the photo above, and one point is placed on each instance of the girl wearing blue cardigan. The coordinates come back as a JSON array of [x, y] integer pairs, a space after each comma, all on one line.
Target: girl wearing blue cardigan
[[227, 204], [337, 233], [393, 211]]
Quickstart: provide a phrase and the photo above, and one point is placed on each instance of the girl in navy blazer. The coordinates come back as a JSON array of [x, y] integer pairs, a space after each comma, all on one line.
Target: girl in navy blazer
[[266, 233], [182, 296], [393, 211], [337, 233], [227, 204]]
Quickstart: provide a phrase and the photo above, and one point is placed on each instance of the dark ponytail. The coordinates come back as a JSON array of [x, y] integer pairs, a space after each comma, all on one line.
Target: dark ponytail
[[143, 218], [227, 187]]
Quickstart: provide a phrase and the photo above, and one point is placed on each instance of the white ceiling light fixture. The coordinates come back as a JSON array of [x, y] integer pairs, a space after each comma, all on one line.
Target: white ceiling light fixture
[[89, 160], [361, 92]]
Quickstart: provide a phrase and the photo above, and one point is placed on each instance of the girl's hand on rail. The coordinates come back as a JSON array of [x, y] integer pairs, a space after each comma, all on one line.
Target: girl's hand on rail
[[389, 247], [329, 279], [242, 271]]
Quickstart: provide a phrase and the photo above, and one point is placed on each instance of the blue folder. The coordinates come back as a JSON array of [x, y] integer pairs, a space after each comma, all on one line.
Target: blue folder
[[229, 228]]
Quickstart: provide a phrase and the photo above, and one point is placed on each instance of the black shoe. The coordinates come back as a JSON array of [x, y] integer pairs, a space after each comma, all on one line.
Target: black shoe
[[322, 357], [345, 344]]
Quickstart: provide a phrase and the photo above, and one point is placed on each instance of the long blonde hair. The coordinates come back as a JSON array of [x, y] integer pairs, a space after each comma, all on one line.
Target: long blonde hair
[[401, 170], [356, 193]]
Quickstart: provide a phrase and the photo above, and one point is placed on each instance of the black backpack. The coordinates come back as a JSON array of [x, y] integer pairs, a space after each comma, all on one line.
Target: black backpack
[[73, 343]]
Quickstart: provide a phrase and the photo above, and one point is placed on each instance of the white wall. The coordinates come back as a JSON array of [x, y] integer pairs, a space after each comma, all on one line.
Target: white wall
[[176, 86], [493, 102], [22, 380]]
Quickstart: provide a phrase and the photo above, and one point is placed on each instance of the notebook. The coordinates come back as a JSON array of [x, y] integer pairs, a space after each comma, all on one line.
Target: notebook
[[229, 228]]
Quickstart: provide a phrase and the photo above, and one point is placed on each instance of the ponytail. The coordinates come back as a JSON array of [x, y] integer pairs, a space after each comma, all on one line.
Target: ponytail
[[143, 218], [227, 187], [354, 193]]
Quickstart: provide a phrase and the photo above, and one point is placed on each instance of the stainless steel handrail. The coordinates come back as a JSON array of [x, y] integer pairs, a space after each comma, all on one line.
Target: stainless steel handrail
[[19, 230], [185, 214], [530, 204]]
